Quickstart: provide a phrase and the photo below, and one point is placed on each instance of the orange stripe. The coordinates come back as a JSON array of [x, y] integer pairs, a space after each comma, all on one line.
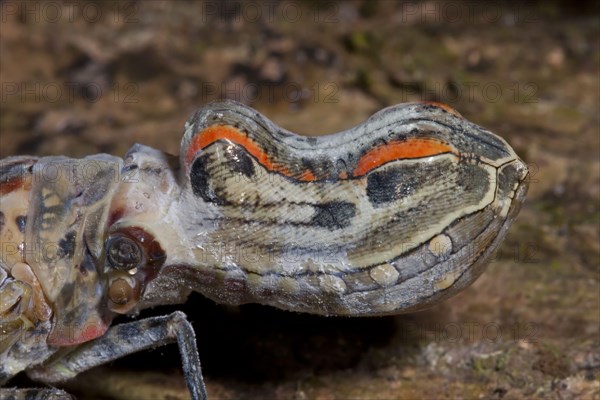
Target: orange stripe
[[444, 107], [14, 184], [226, 132], [411, 148], [307, 176]]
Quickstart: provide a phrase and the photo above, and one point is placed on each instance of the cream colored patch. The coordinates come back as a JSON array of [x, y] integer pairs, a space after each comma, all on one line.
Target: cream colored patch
[[447, 281], [386, 306], [289, 285], [12, 205], [254, 281], [51, 199], [332, 284], [39, 310], [507, 201], [440, 245], [384, 275]]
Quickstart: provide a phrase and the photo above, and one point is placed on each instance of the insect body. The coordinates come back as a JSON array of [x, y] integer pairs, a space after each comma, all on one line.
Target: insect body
[[388, 217]]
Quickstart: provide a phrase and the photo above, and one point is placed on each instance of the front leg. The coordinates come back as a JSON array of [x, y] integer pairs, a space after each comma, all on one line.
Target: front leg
[[125, 339]]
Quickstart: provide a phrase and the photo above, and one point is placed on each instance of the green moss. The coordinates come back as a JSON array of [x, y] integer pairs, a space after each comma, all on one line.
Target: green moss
[[359, 41], [552, 361], [487, 366], [555, 265]]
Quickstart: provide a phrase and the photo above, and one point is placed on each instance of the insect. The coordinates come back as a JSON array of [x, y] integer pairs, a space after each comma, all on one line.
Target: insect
[[391, 216]]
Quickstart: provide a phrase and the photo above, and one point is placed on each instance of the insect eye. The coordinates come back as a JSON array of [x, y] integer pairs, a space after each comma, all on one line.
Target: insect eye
[[123, 253], [133, 258]]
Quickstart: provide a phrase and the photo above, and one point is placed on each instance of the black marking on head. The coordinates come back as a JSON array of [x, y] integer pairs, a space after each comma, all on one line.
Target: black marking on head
[[308, 164], [432, 108], [200, 180], [333, 215], [98, 185], [472, 178], [129, 167], [389, 185], [21, 221], [67, 245], [313, 141], [77, 314], [87, 265], [53, 210], [1, 221], [239, 161], [156, 171]]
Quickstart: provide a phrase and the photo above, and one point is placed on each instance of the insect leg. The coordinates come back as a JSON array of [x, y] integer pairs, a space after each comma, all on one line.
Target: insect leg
[[14, 301], [125, 339]]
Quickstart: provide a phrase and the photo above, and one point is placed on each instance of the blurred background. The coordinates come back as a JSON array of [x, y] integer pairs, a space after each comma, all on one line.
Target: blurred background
[[81, 77]]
